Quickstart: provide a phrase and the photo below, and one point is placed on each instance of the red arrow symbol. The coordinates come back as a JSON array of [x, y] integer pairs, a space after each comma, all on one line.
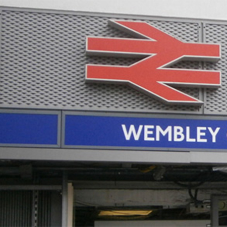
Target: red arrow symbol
[[151, 74]]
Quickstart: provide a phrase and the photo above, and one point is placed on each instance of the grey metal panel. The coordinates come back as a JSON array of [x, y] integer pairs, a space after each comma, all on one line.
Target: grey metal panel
[[140, 185], [194, 157], [43, 63], [147, 223], [215, 99], [56, 209], [100, 155], [30, 187]]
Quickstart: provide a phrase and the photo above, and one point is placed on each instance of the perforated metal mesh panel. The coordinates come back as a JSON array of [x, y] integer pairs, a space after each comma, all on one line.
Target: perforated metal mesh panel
[[216, 102], [43, 63]]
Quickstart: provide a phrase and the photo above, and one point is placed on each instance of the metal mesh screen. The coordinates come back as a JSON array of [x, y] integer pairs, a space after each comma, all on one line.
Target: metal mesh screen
[[216, 102], [30, 208], [44, 208], [15, 208], [43, 63]]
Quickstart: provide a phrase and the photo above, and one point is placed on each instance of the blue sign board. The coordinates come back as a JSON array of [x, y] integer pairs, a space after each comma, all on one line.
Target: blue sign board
[[113, 132], [148, 133], [28, 129]]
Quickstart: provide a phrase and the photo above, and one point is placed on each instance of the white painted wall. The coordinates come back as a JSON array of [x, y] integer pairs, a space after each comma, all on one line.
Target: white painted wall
[[202, 9]]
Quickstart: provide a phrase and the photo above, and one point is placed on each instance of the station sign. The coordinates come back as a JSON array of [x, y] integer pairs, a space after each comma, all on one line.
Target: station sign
[[118, 132], [153, 74], [69, 129]]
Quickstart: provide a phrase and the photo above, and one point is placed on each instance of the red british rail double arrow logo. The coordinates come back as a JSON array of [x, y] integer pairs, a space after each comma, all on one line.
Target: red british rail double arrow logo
[[151, 74]]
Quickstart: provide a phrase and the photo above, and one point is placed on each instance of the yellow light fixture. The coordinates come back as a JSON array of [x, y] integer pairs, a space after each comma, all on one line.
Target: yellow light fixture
[[125, 212]]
